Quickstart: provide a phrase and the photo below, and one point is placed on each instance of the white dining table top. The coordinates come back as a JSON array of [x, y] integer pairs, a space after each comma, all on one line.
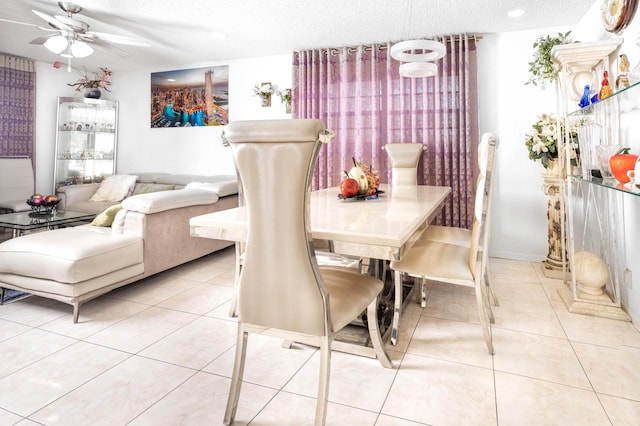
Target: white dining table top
[[378, 228]]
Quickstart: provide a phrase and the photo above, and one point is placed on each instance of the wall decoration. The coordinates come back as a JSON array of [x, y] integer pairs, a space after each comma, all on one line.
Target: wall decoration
[[264, 90], [190, 97]]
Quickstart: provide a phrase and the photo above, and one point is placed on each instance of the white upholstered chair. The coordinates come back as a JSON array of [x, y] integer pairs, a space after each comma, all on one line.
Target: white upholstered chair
[[17, 184], [280, 287], [462, 236], [460, 260]]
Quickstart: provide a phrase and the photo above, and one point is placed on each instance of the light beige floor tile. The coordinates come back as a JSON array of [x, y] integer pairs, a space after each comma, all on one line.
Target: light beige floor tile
[[539, 357], [267, 362], [355, 381], [23, 349], [44, 381], [141, 330], [227, 279], [441, 393], [453, 306], [203, 269], [288, 409], [621, 412], [507, 269], [553, 295], [599, 331], [9, 329], [202, 400], [95, 315], [222, 312], [8, 418], [196, 344], [117, 396], [611, 371], [394, 421], [525, 401], [35, 311], [154, 289], [515, 289], [537, 318], [199, 299], [451, 341]]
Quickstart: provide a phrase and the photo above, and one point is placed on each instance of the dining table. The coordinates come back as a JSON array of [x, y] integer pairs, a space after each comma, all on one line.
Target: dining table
[[380, 227]]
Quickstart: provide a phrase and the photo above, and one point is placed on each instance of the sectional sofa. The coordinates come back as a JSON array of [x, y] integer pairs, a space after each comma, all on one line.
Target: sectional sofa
[[149, 234]]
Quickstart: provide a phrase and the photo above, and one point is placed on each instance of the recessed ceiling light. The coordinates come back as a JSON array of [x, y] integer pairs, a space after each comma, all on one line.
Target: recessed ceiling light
[[515, 13]]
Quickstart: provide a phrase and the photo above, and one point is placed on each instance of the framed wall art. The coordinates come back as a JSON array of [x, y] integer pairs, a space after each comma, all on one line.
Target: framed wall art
[[190, 98]]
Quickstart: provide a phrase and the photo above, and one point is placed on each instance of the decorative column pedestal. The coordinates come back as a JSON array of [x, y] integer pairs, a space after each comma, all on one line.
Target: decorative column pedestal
[[556, 262]]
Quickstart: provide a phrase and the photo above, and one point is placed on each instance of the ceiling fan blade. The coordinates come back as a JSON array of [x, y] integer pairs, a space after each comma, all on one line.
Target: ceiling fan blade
[[118, 39], [39, 40], [110, 48], [53, 21], [18, 22]]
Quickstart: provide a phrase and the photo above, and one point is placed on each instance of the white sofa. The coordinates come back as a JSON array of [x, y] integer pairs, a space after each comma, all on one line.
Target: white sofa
[[78, 197], [149, 235]]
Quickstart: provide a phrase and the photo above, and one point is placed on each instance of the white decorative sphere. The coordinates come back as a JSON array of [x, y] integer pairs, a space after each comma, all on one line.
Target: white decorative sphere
[[591, 272]]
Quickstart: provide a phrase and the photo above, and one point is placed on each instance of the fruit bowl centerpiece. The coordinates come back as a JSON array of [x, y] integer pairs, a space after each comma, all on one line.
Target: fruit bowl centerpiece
[[42, 205], [360, 183]]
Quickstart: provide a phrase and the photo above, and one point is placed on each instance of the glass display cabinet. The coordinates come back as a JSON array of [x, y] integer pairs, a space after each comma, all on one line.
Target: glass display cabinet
[[86, 141], [595, 200]]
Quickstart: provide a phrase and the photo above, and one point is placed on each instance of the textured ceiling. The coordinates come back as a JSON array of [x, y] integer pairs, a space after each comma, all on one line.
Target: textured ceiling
[[180, 31]]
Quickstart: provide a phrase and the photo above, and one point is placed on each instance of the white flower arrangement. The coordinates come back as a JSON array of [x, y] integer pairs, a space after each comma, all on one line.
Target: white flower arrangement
[[264, 90]]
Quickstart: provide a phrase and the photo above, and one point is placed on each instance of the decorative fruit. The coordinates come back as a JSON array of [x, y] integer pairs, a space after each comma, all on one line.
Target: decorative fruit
[[37, 199], [349, 186], [622, 162], [358, 174], [50, 199]]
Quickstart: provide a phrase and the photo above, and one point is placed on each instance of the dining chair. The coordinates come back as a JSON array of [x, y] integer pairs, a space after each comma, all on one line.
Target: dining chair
[[487, 150], [404, 158], [281, 288], [462, 257]]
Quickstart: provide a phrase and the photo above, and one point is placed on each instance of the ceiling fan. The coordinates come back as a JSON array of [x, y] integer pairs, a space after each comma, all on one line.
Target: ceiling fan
[[71, 37]]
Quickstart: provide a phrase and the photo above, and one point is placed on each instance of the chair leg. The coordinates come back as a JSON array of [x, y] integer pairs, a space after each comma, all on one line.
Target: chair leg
[[323, 383], [397, 309], [423, 293], [236, 377], [233, 307], [374, 334], [494, 298], [484, 317]]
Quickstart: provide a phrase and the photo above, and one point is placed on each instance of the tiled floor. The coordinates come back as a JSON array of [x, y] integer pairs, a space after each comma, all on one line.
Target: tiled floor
[[160, 352]]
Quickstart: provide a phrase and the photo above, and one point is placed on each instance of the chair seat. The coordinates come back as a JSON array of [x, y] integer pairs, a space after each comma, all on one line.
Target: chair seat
[[437, 261], [348, 291], [448, 235]]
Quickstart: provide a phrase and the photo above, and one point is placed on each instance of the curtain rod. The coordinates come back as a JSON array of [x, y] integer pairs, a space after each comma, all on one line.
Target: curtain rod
[[379, 46]]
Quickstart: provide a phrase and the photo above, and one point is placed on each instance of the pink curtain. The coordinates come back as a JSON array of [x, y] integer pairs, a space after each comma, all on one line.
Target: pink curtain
[[359, 94], [17, 107]]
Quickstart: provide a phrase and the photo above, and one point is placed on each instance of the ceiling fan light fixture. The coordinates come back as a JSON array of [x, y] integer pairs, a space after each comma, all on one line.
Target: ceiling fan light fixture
[[80, 49], [418, 69], [56, 44]]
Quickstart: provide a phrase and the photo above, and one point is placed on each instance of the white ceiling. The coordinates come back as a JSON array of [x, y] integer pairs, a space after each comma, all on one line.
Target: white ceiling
[[180, 30]]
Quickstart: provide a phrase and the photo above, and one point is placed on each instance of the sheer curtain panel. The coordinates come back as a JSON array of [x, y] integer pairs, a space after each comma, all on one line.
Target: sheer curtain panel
[[360, 95], [17, 107]]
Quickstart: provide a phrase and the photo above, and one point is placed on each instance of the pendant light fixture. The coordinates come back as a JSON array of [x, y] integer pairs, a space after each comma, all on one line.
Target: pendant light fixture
[[417, 55]]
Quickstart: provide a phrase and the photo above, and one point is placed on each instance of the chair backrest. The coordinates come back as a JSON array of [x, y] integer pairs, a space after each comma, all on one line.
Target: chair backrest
[[482, 210], [16, 179], [404, 159], [280, 285]]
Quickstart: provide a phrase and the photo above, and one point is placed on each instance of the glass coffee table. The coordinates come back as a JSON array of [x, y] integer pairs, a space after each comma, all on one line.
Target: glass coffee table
[[22, 222]]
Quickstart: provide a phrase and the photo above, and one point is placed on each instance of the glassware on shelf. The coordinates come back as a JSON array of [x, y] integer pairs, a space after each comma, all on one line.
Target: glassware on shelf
[[604, 153], [589, 136]]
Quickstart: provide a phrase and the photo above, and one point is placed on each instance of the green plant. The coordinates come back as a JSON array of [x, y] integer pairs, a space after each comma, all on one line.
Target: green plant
[[542, 68]]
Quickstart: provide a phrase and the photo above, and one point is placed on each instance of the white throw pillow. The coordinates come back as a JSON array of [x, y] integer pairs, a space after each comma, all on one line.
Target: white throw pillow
[[115, 188]]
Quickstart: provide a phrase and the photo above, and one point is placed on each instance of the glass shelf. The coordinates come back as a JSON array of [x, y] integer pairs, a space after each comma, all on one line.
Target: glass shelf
[[623, 95], [610, 183]]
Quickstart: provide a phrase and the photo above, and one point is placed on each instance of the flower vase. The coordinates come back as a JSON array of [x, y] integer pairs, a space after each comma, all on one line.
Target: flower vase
[[92, 93], [287, 107], [265, 100]]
